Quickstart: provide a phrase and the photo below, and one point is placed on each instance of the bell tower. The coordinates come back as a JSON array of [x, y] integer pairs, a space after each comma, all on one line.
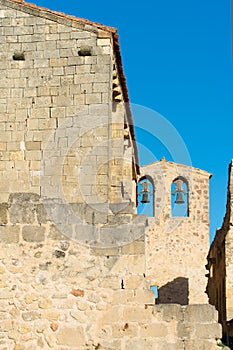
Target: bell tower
[[177, 237]]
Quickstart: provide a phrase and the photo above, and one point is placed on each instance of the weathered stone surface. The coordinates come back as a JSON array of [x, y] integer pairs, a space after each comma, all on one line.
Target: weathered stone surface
[[106, 251], [144, 296], [209, 331], [133, 314], [78, 315], [169, 312], [136, 247], [199, 313], [199, 344], [22, 213], [154, 330], [123, 208], [76, 263], [45, 304], [30, 316], [41, 214], [9, 234], [184, 238], [69, 336], [24, 198], [3, 213], [33, 233], [6, 325], [55, 234]]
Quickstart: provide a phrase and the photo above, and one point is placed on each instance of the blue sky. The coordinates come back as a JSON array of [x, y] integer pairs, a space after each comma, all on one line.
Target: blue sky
[[178, 61]]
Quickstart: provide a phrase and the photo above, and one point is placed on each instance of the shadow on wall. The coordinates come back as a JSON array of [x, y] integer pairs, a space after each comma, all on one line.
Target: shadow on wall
[[175, 292]]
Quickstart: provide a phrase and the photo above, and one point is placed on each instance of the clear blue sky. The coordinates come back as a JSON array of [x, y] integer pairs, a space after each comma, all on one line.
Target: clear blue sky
[[177, 60]]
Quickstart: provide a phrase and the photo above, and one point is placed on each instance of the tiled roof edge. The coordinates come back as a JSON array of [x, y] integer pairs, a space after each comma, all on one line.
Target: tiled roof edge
[[24, 5]]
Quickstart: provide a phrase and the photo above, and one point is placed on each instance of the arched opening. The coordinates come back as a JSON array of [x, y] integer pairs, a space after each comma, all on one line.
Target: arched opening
[[145, 190], [180, 197]]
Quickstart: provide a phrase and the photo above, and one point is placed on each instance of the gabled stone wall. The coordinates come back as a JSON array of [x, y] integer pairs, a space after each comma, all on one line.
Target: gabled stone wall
[[59, 135], [177, 246]]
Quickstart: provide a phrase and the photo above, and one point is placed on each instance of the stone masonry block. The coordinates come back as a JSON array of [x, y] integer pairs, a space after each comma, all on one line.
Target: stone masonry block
[[140, 219], [122, 296], [144, 296], [198, 344], [116, 235], [30, 316], [183, 332], [111, 316], [58, 213], [85, 233], [123, 208], [24, 198], [207, 331], [101, 78], [16, 155], [120, 330], [93, 98], [155, 330], [42, 216], [22, 213], [40, 113], [200, 313], [119, 219], [134, 248], [33, 145], [3, 213], [9, 234], [169, 312], [58, 62], [3, 146], [136, 314], [103, 42], [100, 218], [138, 344], [134, 282], [105, 251], [33, 233], [136, 264], [136, 232], [100, 87], [55, 234], [71, 336]]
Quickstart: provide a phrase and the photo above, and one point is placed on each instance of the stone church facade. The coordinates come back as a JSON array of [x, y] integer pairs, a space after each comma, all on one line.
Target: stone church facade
[[79, 268]]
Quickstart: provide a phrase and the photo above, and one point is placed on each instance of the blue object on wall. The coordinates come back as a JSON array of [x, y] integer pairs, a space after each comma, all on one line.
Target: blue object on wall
[[155, 290]]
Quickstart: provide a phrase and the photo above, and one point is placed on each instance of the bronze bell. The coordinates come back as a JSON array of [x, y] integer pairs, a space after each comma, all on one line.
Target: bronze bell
[[145, 198], [179, 198]]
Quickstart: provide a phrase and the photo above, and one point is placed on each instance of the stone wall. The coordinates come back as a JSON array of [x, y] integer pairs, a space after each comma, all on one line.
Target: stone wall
[[58, 292], [177, 246], [76, 262], [59, 134], [220, 266]]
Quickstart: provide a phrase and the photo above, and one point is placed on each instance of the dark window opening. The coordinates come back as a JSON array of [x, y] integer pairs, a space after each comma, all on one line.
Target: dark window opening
[[19, 56]]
